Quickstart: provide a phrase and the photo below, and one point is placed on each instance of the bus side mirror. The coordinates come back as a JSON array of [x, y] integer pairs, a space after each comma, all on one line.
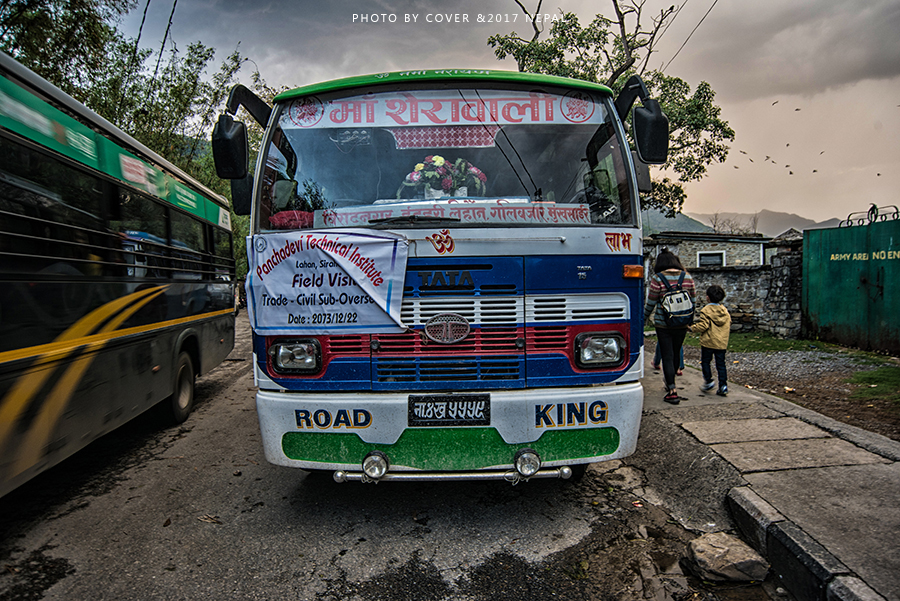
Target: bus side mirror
[[241, 194], [230, 148], [651, 132], [642, 171]]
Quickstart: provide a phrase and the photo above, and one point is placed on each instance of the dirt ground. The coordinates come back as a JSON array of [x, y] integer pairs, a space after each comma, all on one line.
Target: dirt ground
[[808, 383]]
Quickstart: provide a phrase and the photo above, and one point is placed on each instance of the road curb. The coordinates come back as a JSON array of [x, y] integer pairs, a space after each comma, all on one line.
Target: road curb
[[803, 566]]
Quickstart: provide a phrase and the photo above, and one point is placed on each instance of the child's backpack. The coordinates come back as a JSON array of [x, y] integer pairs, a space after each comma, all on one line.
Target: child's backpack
[[676, 306]]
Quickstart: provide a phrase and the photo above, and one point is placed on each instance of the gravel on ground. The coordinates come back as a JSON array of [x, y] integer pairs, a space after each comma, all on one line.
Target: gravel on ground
[[812, 378]]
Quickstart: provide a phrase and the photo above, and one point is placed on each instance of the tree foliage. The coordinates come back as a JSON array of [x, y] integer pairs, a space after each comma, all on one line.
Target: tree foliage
[[609, 51], [65, 42]]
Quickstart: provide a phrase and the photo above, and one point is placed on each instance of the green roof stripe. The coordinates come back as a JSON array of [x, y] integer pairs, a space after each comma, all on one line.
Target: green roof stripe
[[441, 75]]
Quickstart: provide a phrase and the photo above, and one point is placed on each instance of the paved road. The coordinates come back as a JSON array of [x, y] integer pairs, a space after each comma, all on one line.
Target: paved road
[[196, 512]]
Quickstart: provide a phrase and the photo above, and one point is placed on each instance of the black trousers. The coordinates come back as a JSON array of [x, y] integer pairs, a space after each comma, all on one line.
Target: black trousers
[[706, 355], [670, 341]]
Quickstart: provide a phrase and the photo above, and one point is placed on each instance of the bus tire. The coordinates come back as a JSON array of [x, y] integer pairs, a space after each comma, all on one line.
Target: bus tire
[[180, 404]]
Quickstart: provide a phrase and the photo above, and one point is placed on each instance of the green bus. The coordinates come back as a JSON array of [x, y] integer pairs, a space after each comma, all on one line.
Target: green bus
[[446, 272], [116, 278]]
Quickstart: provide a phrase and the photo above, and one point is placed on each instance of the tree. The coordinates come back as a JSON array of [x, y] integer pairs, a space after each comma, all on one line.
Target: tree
[[733, 225], [63, 41], [609, 51]]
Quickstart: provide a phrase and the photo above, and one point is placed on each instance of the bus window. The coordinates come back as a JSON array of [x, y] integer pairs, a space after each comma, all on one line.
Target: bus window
[[58, 192], [138, 214], [141, 224], [565, 158], [52, 213], [187, 232], [221, 243]]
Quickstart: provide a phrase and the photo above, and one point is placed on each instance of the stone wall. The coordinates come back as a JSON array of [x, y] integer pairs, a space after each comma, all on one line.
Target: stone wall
[[746, 293], [785, 294], [744, 252], [759, 297], [736, 253]]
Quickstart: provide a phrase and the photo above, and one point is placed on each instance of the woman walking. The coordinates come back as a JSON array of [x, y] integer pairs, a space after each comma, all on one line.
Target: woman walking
[[669, 338]]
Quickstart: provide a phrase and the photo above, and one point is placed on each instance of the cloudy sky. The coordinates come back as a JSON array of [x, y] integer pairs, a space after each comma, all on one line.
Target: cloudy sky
[[814, 85]]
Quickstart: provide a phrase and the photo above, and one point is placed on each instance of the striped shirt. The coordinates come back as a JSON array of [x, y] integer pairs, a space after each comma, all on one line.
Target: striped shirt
[[657, 289]]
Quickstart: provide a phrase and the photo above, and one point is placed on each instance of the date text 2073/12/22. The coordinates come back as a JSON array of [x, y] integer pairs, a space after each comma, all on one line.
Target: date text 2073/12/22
[[322, 318]]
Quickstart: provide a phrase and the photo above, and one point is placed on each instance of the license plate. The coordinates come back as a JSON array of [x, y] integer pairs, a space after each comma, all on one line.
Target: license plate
[[449, 410]]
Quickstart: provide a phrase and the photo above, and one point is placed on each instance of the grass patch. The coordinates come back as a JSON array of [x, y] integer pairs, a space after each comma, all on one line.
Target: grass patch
[[763, 342], [882, 383]]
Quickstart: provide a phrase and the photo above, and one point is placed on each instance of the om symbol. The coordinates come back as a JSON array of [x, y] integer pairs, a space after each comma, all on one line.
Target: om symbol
[[442, 242]]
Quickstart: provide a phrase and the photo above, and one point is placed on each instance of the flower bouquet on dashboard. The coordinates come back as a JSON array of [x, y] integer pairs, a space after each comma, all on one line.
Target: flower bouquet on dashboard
[[436, 177]]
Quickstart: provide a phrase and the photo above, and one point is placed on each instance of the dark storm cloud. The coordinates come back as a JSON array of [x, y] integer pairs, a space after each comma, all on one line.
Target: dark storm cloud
[[295, 43], [802, 47]]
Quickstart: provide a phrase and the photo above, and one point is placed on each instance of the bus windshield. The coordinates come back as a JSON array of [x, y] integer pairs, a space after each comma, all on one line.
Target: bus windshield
[[473, 157]]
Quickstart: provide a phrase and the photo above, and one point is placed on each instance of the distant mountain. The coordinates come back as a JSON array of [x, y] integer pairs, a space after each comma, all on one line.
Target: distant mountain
[[655, 222], [771, 223]]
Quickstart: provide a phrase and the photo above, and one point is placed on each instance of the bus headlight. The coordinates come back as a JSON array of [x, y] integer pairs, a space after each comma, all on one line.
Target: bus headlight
[[297, 356], [527, 462], [375, 465], [595, 349]]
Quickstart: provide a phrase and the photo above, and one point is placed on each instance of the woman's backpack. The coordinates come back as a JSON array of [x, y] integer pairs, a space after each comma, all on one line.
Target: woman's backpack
[[676, 305]]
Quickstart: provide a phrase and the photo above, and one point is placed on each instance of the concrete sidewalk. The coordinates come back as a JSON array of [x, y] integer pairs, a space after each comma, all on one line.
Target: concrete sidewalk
[[819, 499]]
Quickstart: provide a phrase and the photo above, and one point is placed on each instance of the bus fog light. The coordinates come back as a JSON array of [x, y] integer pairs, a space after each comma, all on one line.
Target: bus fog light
[[300, 356], [527, 462], [592, 350], [375, 465]]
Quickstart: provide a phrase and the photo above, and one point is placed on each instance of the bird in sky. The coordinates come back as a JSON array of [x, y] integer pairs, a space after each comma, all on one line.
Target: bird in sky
[[776, 102]]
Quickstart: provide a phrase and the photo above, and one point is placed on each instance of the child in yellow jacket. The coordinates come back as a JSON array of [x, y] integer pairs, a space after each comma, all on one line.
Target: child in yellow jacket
[[713, 323]]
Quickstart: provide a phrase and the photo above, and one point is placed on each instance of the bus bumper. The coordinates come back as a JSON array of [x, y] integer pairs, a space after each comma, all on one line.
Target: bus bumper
[[336, 431]]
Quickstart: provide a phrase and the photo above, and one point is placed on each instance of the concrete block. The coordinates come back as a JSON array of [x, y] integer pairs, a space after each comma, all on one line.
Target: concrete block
[[804, 566], [848, 588], [751, 430], [793, 454], [753, 516]]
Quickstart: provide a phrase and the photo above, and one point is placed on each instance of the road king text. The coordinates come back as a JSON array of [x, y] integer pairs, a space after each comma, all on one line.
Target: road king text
[[569, 414], [324, 419]]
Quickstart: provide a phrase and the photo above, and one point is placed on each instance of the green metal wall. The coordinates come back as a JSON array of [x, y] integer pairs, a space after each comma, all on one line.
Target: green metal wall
[[851, 285]]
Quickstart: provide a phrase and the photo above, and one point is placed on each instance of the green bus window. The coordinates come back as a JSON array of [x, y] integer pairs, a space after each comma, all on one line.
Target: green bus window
[[221, 243], [140, 217], [187, 232]]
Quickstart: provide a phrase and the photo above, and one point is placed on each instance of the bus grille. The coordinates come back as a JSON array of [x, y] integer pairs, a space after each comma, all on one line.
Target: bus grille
[[494, 368]]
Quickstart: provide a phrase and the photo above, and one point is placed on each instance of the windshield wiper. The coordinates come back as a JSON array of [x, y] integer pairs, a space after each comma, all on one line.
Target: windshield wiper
[[412, 219]]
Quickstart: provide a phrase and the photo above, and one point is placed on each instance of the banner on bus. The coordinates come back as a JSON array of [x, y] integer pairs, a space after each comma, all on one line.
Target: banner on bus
[[326, 282], [444, 107]]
